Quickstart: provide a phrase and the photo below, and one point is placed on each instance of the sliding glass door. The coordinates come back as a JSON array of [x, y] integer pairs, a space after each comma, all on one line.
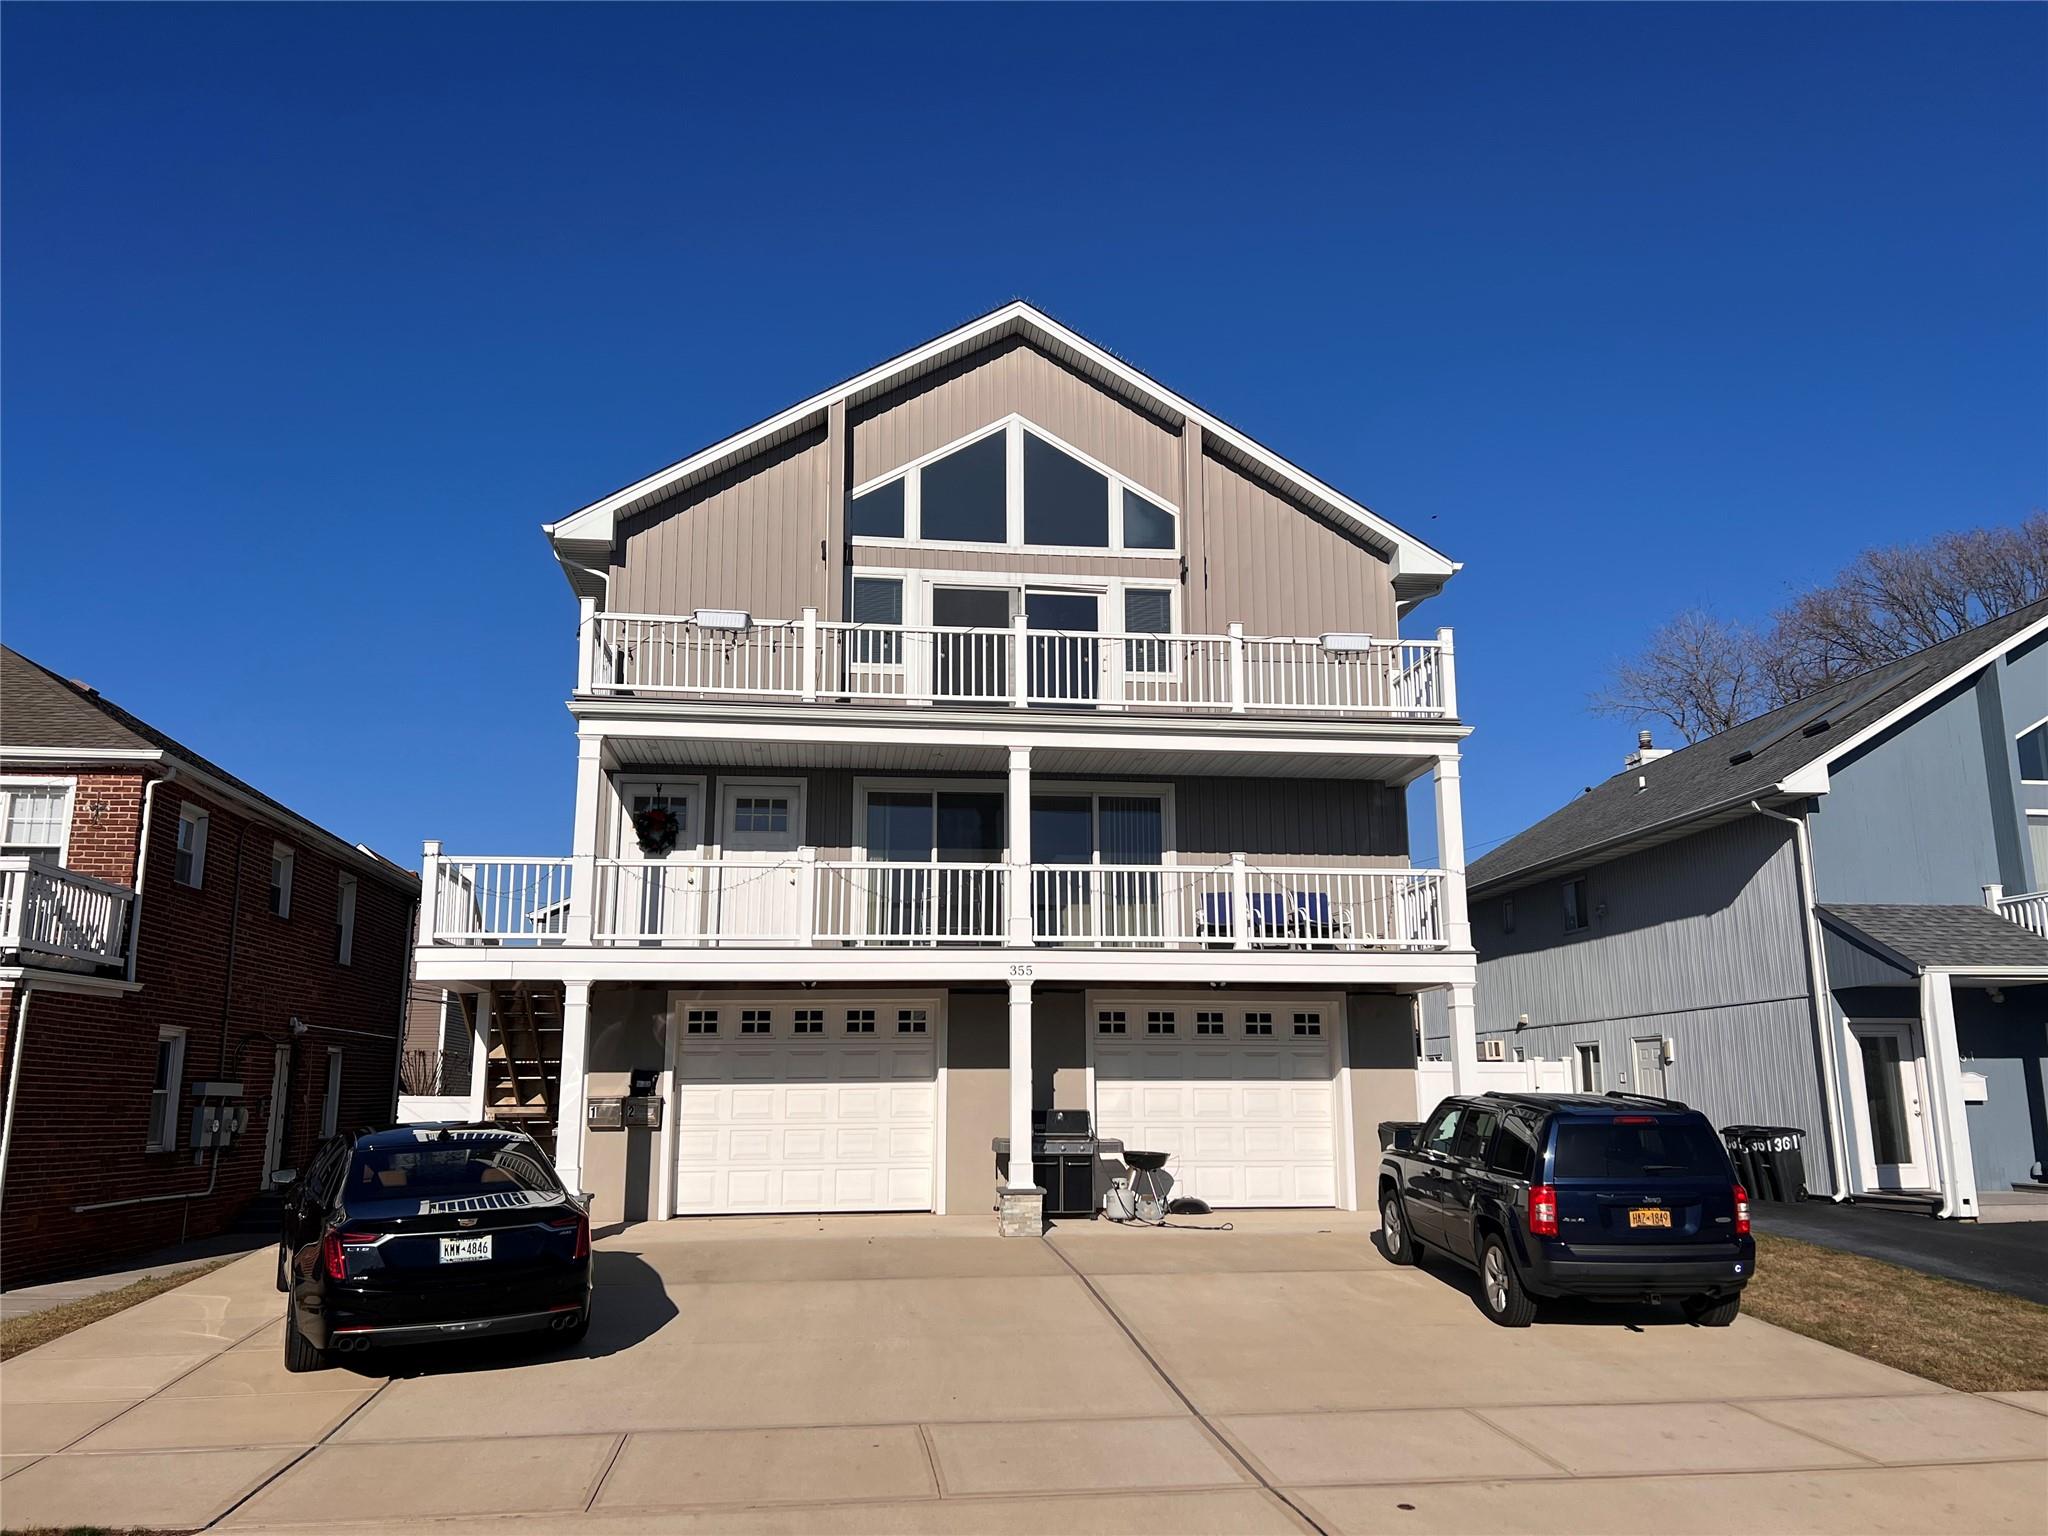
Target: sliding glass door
[[914, 835], [1107, 851]]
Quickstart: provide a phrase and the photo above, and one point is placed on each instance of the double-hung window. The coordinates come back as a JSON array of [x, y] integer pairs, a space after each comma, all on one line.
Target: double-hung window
[[281, 861], [191, 868], [163, 1093], [35, 819], [345, 921]]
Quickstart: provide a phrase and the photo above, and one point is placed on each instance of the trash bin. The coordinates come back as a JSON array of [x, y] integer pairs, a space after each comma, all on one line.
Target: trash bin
[[1769, 1160]]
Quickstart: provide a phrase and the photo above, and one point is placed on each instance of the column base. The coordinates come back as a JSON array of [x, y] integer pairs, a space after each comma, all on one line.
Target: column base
[[1021, 1211]]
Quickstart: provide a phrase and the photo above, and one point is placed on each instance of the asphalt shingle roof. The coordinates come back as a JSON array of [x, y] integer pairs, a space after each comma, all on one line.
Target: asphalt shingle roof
[[1941, 935], [1700, 779]]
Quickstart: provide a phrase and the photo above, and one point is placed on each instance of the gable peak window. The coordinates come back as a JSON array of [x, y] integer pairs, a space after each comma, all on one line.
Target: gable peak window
[[1017, 486], [2033, 745]]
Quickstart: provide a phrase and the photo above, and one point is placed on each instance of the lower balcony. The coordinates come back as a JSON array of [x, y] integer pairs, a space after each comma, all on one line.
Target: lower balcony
[[809, 901], [57, 918]]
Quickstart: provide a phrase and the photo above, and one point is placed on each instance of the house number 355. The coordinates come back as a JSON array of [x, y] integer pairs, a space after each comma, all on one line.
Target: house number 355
[[1021, 969]]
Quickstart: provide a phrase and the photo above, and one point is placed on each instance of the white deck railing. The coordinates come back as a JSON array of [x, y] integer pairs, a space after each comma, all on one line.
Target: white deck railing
[[50, 913], [2029, 910], [808, 901], [810, 660]]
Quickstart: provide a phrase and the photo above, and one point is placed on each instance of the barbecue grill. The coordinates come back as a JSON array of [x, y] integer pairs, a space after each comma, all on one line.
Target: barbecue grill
[[1064, 1150]]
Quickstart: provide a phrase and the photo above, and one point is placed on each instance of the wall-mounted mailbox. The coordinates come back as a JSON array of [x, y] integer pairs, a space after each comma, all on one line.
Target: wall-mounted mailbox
[[606, 1115], [643, 1114], [1975, 1089], [644, 1079]]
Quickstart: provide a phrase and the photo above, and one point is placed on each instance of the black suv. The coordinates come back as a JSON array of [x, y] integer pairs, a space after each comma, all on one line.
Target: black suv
[[1618, 1197], [430, 1232]]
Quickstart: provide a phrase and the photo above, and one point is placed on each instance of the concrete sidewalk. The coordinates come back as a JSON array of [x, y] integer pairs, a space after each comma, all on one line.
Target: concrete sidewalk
[[27, 1299], [922, 1375]]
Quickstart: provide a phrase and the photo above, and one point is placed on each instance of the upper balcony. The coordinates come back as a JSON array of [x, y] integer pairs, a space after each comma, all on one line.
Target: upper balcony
[[815, 663], [2029, 909], [57, 918]]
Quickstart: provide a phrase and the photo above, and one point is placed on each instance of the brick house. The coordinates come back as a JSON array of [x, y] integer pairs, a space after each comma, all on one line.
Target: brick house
[[173, 943]]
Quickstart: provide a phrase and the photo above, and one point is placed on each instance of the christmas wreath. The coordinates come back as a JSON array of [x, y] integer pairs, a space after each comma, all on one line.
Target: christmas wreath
[[657, 829]]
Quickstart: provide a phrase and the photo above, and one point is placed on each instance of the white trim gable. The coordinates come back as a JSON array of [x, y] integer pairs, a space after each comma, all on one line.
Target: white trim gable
[[581, 536]]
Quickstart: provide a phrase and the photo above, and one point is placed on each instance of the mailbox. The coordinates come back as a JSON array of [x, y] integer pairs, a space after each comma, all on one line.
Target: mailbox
[[606, 1115], [643, 1114]]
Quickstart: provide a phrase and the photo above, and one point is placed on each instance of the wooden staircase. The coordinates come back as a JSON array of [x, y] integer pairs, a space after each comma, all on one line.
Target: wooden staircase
[[523, 1068]]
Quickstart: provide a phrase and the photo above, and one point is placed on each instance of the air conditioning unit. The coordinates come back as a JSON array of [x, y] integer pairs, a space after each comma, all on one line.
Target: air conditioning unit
[[1493, 1050]]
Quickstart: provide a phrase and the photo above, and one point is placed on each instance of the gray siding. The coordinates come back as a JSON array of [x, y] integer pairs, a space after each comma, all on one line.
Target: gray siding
[[2007, 1042], [1315, 822], [1926, 813], [753, 538], [1700, 941], [1013, 376]]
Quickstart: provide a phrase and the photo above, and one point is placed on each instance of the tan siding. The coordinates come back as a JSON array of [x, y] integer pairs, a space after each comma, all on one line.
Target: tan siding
[[1278, 569], [1013, 376], [918, 558], [747, 539]]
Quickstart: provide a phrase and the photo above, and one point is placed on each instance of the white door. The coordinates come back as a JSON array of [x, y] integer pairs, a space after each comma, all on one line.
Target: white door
[[654, 896], [1649, 1058], [1888, 1081], [806, 1107], [1242, 1100], [280, 1091], [761, 826]]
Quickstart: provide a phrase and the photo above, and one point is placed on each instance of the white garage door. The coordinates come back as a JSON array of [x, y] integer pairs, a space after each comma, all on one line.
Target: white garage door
[[828, 1108], [1243, 1099]]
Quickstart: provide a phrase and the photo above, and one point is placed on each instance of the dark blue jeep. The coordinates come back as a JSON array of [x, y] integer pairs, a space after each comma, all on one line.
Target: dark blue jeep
[[1615, 1197]]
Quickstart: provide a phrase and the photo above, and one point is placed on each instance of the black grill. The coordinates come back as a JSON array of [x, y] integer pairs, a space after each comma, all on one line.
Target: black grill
[[1064, 1157]]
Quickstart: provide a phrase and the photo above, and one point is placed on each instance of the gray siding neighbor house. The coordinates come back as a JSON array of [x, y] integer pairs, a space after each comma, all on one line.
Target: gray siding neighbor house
[[1831, 917]]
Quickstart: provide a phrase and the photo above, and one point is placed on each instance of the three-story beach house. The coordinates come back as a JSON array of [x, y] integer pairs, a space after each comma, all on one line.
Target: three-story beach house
[[993, 733]]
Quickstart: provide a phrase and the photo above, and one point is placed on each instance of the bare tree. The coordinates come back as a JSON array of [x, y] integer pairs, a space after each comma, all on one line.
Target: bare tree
[[1704, 674], [1698, 672]]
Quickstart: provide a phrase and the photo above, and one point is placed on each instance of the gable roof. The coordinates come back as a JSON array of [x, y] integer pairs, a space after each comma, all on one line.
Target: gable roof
[[583, 540], [46, 714], [1779, 754], [1947, 937]]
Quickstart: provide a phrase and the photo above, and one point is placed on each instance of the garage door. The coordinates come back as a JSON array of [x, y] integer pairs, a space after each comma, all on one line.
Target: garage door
[[827, 1108], [1243, 1099]]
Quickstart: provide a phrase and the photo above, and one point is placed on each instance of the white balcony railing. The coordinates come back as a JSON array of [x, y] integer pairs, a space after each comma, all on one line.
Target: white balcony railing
[[47, 913], [810, 660], [807, 901], [2029, 910]]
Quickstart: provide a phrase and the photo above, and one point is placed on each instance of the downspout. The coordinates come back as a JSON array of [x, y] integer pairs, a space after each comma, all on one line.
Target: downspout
[[1823, 1014], [16, 1037], [142, 863]]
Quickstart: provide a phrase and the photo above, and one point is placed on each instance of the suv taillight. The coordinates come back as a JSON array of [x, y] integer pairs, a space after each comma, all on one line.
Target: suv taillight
[[1543, 1209], [1741, 1211], [334, 1250]]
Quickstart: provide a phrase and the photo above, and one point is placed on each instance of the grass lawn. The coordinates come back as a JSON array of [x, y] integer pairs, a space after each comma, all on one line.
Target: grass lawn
[[24, 1333], [1959, 1335]]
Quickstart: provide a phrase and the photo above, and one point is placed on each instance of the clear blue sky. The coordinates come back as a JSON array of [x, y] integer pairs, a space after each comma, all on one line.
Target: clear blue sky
[[314, 314]]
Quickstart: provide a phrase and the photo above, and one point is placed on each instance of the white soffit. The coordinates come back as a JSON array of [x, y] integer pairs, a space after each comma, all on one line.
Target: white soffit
[[584, 538]]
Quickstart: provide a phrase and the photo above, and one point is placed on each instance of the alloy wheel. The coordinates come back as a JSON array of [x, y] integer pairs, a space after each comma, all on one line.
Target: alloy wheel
[[1496, 1279]]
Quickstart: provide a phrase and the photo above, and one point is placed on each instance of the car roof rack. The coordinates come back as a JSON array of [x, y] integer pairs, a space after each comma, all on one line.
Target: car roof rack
[[1644, 1098]]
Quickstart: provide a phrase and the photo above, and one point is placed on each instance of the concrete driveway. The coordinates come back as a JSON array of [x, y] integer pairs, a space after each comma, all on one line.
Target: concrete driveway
[[921, 1375]]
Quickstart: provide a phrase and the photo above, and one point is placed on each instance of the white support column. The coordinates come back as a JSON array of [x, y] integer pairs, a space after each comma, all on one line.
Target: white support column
[[583, 840], [1447, 675], [586, 644], [480, 1055], [430, 890], [1950, 1123], [1020, 1162], [1018, 920], [807, 895], [1993, 895], [1450, 851], [1464, 1023], [1240, 902], [569, 1096]]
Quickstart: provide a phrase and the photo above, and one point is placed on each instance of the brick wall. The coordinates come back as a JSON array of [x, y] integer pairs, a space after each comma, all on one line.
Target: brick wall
[[88, 1061]]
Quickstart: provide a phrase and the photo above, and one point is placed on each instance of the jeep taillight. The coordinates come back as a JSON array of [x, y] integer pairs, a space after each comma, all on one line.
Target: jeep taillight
[[1741, 1211], [1543, 1209]]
